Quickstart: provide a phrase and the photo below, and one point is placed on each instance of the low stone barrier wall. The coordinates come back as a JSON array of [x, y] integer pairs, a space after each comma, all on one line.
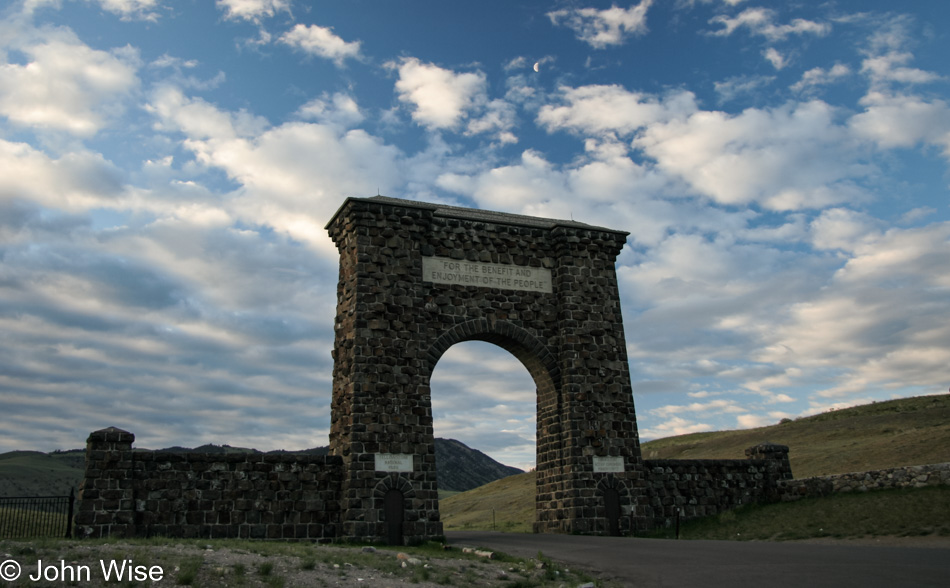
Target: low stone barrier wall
[[892, 478], [139, 494], [695, 488]]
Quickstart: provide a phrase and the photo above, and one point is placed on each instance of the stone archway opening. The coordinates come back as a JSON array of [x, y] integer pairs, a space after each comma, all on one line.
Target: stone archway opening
[[484, 397]]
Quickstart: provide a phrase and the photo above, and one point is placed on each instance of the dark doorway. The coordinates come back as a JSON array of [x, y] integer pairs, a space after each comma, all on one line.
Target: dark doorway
[[394, 509], [612, 506]]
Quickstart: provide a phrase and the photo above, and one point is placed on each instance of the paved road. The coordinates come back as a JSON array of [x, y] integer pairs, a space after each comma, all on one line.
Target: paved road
[[732, 564]]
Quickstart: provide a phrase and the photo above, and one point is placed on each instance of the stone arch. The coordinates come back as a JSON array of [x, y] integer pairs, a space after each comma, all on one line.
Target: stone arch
[[610, 488], [390, 524], [393, 482], [532, 353], [417, 278]]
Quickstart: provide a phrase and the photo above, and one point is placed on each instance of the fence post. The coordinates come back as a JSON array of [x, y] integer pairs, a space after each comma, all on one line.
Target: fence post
[[69, 516]]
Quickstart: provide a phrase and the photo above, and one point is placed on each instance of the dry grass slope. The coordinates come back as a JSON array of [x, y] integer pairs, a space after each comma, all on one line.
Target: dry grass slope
[[910, 431]]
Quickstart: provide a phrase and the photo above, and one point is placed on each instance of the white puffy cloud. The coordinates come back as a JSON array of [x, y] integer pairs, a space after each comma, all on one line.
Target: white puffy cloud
[[252, 10], [602, 28], [841, 228], [787, 158], [289, 175], [65, 85], [896, 120], [321, 42], [440, 98], [77, 181], [602, 109], [760, 21], [340, 109]]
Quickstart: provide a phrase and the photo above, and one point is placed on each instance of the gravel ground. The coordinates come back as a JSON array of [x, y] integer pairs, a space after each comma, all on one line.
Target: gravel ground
[[258, 564]]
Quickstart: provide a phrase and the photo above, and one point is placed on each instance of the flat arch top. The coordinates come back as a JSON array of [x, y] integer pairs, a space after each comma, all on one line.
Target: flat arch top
[[477, 215]]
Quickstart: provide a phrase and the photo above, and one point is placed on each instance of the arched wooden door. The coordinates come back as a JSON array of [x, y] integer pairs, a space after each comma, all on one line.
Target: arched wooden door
[[394, 508]]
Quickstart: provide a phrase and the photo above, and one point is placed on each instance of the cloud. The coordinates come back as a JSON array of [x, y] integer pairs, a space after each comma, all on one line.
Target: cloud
[[752, 421], [65, 85], [817, 77], [290, 175], [252, 10], [803, 160], [734, 87], [340, 109], [321, 42], [898, 120], [132, 9], [841, 228], [775, 57], [602, 28], [889, 68], [601, 109], [672, 426], [853, 326], [760, 21], [76, 181], [439, 98]]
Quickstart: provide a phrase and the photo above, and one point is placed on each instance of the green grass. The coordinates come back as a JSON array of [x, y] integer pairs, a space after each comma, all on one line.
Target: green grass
[[901, 513], [188, 570]]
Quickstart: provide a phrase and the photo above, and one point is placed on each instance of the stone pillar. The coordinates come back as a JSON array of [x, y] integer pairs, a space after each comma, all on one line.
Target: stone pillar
[[105, 503], [777, 454], [778, 469], [381, 403], [598, 431]]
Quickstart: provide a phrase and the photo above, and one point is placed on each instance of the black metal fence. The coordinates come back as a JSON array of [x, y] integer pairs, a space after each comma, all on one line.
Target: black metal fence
[[36, 516]]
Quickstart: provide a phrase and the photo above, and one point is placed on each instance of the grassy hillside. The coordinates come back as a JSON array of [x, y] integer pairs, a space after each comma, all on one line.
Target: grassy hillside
[[909, 431], [33, 473], [511, 498]]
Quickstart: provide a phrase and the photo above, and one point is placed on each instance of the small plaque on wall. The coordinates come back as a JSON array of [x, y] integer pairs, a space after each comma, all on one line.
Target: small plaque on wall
[[612, 464], [393, 462]]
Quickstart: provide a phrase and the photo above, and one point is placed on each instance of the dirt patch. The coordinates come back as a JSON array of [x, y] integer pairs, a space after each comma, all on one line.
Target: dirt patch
[[259, 564]]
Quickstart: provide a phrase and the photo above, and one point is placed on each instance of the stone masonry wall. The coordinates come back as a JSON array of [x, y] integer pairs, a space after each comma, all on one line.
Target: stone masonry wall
[[918, 476], [696, 488], [140, 494]]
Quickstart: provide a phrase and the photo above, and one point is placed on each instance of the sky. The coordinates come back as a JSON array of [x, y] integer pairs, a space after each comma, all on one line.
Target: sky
[[167, 169]]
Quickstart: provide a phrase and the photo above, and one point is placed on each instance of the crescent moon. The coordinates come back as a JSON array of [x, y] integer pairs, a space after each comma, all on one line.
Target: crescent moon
[[537, 66]]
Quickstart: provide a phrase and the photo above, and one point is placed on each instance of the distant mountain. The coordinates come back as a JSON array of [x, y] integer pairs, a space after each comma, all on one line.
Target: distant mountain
[[461, 468], [34, 473]]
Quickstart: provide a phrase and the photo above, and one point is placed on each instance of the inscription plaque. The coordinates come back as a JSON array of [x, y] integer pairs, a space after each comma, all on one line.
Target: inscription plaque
[[393, 462], [444, 270], [612, 464]]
